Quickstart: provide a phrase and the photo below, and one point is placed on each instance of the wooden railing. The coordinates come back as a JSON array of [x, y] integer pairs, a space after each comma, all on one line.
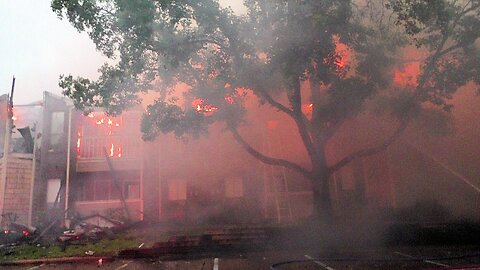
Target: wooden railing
[[91, 147]]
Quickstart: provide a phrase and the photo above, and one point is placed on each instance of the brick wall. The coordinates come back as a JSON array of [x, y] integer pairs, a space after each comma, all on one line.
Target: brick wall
[[16, 197]]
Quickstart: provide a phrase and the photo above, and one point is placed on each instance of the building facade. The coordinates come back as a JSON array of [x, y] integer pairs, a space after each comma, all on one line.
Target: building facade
[[98, 164]]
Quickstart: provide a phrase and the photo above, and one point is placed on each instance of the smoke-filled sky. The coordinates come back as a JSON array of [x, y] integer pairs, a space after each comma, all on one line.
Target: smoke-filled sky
[[37, 47]]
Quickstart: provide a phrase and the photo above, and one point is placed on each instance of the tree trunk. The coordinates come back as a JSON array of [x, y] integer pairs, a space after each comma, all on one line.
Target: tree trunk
[[322, 211]]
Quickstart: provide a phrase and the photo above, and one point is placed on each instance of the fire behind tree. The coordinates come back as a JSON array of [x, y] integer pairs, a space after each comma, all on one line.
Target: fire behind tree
[[289, 55]]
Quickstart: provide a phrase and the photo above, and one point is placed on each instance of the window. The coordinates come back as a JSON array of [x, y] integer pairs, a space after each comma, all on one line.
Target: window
[[88, 190], [100, 186], [177, 189], [96, 189], [234, 187], [102, 189], [114, 192], [57, 122], [99, 189], [53, 186], [132, 190]]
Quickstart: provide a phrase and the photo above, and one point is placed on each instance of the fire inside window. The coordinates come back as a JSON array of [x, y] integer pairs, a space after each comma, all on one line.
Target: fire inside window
[[101, 131]]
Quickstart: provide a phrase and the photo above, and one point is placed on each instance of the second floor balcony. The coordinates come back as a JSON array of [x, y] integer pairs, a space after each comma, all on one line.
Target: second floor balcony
[[100, 136], [114, 146], [123, 151]]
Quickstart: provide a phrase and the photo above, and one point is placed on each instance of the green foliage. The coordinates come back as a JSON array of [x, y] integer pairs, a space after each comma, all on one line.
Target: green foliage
[[272, 50], [419, 15], [431, 121], [167, 118], [104, 247], [449, 29], [400, 105], [163, 43], [97, 18]]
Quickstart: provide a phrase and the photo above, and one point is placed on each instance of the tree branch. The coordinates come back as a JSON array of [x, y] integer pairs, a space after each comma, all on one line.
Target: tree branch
[[453, 47], [439, 52], [109, 12], [266, 159], [279, 106], [205, 40], [275, 103], [302, 123], [369, 151]]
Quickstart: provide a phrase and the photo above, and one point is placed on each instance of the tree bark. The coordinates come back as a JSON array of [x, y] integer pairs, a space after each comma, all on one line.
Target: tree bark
[[322, 211]]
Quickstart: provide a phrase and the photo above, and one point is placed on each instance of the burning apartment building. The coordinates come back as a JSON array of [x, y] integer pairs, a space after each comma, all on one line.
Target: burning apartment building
[[91, 163], [98, 164]]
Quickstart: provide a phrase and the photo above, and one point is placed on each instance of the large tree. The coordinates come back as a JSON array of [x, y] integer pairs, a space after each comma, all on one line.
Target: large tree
[[272, 51]]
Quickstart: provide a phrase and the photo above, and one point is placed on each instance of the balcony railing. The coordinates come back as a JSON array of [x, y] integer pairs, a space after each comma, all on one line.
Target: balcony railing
[[92, 147]]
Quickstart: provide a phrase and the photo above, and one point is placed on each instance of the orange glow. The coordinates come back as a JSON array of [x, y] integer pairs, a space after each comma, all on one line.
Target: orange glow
[[307, 109], [342, 53], [407, 74], [199, 106], [115, 150], [106, 127], [210, 108], [79, 141], [229, 99], [196, 103], [112, 150], [13, 113], [272, 124], [110, 122]]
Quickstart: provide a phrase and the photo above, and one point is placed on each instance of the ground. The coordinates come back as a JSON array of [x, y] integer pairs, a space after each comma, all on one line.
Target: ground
[[305, 252], [357, 258]]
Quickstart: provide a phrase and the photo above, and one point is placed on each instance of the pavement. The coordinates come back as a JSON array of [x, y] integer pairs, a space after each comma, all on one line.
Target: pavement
[[452, 257]]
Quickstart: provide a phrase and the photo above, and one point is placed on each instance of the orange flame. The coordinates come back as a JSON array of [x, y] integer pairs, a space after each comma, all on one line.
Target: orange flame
[[119, 150], [111, 150], [79, 142], [199, 106], [78, 146], [107, 127]]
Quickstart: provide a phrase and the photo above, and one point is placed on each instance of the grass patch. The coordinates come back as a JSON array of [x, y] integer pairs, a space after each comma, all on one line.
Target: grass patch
[[105, 247]]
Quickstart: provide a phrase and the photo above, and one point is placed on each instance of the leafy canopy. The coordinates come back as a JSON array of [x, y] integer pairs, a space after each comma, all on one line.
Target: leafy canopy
[[272, 50]]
